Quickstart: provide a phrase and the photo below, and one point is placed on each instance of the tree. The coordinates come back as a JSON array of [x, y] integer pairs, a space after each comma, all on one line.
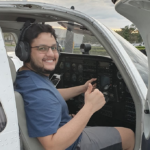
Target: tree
[[139, 37], [128, 34]]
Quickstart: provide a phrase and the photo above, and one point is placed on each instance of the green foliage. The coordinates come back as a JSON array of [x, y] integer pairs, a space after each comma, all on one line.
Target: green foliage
[[139, 38], [94, 51], [128, 34], [140, 47], [9, 44]]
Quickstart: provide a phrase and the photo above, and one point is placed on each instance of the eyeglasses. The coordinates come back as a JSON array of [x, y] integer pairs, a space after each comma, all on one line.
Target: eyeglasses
[[44, 49]]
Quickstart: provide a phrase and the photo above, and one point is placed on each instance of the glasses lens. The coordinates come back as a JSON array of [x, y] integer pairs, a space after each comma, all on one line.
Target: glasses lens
[[43, 49], [53, 48]]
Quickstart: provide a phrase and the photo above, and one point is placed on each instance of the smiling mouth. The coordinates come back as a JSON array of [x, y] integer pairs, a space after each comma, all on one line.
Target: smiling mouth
[[49, 61]]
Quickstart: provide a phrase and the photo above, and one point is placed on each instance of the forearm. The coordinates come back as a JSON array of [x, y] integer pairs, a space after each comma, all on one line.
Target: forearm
[[67, 134], [71, 131], [68, 93]]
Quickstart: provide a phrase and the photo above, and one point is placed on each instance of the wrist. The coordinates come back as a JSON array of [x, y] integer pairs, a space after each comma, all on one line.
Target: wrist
[[83, 88], [89, 108]]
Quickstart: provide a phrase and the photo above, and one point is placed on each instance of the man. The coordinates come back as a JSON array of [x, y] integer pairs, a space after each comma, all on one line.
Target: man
[[46, 111]]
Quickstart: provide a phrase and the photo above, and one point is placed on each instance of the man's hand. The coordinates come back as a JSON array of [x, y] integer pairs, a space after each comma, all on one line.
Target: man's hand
[[74, 91], [85, 86], [94, 100], [68, 133]]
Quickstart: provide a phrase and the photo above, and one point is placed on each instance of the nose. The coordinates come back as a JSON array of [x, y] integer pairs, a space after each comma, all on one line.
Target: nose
[[49, 52]]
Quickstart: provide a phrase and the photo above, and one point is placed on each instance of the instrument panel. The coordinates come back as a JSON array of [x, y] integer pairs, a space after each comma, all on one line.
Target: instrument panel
[[77, 69]]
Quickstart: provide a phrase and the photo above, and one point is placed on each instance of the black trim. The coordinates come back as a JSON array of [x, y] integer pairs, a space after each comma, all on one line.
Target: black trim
[[117, 146]]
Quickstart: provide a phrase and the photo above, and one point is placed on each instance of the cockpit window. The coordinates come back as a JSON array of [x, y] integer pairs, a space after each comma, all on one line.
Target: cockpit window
[[96, 47], [71, 35], [9, 41], [138, 58]]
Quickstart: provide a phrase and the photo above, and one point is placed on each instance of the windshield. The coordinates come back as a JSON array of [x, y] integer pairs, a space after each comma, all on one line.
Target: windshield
[[71, 35], [138, 58]]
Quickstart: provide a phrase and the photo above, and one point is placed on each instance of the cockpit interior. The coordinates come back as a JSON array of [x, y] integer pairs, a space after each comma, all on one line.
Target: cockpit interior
[[76, 69], [90, 60], [83, 57]]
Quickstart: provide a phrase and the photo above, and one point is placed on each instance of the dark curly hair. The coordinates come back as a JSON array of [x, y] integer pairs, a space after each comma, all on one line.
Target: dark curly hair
[[35, 29]]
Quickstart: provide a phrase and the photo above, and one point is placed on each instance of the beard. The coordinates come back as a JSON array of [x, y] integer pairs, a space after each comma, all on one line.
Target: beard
[[39, 69]]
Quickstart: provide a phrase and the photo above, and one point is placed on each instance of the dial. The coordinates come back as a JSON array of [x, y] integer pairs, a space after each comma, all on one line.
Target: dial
[[80, 68], [61, 66], [119, 75], [74, 66], [74, 77], [80, 79], [67, 64]]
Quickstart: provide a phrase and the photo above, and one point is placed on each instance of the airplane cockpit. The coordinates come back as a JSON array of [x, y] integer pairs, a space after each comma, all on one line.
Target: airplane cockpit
[[86, 52], [90, 60], [77, 69], [82, 57]]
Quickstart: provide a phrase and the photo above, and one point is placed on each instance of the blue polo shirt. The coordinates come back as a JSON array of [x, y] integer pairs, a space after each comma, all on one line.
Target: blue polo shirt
[[46, 110]]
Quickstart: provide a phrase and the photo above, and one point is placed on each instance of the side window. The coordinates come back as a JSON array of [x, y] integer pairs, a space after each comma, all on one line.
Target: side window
[[3, 120], [10, 42]]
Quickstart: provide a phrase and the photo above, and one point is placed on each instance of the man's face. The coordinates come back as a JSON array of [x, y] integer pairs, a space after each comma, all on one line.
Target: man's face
[[44, 62]]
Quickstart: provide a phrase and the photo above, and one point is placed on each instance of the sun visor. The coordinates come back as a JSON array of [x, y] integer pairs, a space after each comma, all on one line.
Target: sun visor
[[76, 28]]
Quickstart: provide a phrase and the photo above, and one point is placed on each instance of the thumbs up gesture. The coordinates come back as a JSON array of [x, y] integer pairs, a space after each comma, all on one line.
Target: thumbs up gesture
[[94, 99]]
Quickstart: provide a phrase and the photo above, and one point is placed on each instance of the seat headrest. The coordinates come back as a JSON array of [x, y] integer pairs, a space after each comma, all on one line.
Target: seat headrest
[[12, 69]]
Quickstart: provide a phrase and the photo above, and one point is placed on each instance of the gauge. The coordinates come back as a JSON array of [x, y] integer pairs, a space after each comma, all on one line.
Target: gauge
[[74, 77], [119, 75], [61, 66], [67, 64], [74, 66], [80, 68], [80, 79]]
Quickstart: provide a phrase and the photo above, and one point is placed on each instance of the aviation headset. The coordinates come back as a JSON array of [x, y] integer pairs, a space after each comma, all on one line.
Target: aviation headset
[[23, 48]]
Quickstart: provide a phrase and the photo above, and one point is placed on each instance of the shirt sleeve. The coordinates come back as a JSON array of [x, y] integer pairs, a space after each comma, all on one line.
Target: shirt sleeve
[[43, 112]]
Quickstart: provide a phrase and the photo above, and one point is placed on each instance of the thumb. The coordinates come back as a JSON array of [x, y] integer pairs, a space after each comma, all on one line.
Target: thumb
[[89, 89]]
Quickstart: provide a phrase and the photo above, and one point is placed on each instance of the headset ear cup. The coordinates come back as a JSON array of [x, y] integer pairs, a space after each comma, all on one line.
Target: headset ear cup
[[23, 51], [28, 51]]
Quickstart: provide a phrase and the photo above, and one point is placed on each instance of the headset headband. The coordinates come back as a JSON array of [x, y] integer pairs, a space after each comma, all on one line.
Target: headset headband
[[26, 26]]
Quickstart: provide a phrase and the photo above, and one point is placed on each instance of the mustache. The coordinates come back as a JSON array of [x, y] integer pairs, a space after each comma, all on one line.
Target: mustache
[[40, 69]]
